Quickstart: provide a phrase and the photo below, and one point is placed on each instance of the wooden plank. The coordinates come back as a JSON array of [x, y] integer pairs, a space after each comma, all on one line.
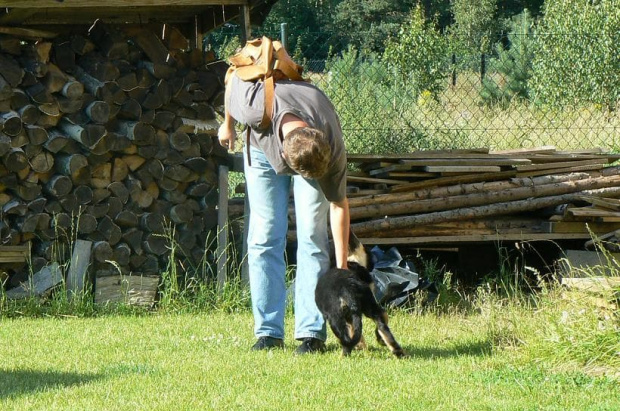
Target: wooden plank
[[376, 164], [360, 158], [558, 158], [410, 175], [607, 219], [14, 253], [579, 227], [80, 260], [522, 151], [603, 240], [586, 264], [609, 203], [382, 167], [128, 289], [389, 168], [43, 281], [594, 150], [474, 161], [560, 170], [462, 169], [592, 284], [370, 180], [566, 164], [28, 33], [592, 212]]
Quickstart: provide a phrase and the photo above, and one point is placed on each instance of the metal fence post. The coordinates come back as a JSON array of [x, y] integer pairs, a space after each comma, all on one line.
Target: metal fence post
[[453, 70], [284, 35]]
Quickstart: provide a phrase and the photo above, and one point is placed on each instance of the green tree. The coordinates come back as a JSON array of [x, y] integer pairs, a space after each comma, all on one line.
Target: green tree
[[577, 57], [417, 55], [366, 24], [304, 19], [476, 24], [513, 62]]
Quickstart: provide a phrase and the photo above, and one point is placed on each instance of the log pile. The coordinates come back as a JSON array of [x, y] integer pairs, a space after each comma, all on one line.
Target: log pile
[[457, 196], [108, 136]]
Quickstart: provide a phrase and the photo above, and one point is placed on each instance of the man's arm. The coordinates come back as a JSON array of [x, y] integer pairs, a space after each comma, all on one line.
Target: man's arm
[[339, 220], [226, 134]]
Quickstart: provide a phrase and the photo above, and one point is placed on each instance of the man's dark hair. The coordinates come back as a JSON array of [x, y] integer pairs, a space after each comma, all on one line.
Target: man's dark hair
[[307, 151]]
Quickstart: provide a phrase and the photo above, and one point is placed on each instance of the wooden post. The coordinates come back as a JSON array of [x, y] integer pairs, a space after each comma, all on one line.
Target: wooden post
[[222, 227], [80, 260], [198, 32], [245, 23]]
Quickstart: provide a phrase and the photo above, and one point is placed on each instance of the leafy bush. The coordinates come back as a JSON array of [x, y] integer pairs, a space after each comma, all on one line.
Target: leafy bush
[[577, 59]]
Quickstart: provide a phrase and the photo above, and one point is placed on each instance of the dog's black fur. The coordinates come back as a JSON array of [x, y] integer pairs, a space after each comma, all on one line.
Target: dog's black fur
[[343, 296]]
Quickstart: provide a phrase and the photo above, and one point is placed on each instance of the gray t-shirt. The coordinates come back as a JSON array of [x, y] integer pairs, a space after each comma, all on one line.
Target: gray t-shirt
[[303, 100]]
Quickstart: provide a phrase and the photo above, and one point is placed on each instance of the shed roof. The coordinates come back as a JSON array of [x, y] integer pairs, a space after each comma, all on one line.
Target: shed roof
[[209, 13]]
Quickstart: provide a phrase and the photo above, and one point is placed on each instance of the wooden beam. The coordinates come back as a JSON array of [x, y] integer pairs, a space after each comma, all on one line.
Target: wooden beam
[[448, 239], [55, 4], [245, 23], [40, 283], [14, 253]]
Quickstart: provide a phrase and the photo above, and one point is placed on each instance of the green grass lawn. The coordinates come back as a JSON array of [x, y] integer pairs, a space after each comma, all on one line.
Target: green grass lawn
[[500, 355]]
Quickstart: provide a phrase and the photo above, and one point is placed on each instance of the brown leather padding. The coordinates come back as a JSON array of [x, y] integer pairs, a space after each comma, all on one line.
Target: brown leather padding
[[264, 60]]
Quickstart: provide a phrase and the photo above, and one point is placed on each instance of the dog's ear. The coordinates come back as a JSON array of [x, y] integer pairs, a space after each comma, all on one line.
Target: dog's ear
[[358, 253]]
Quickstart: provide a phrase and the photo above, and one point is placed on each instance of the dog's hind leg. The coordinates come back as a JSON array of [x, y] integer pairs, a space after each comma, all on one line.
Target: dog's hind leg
[[383, 332], [386, 335]]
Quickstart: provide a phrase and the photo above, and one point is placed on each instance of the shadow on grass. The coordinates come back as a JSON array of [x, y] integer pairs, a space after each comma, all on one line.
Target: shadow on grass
[[19, 382], [477, 349]]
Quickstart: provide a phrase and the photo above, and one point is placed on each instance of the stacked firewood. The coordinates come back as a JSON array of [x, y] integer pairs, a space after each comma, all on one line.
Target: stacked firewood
[[108, 136]]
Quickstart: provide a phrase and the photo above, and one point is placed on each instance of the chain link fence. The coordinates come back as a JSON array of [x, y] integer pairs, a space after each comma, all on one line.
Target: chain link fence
[[469, 109]]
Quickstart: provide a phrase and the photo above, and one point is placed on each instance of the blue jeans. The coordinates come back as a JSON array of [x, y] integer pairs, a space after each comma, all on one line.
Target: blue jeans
[[268, 195]]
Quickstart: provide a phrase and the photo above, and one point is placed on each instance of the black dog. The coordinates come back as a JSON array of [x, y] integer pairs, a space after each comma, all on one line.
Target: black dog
[[343, 296]]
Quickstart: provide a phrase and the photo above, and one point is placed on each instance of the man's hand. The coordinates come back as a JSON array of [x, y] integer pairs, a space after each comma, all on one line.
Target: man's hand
[[226, 134]]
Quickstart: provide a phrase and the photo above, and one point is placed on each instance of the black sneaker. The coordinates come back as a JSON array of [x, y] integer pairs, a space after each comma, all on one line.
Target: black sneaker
[[310, 345], [267, 343]]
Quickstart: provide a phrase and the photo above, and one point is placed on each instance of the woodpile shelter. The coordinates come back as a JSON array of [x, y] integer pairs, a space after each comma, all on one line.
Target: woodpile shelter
[[108, 124]]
